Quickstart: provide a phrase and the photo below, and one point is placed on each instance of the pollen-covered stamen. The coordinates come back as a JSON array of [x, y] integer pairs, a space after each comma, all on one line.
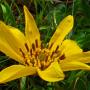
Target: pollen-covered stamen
[[27, 48], [33, 46], [23, 55], [56, 49], [50, 46], [38, 57], [46, 58], [32, 61], [62, 57], [31, 52], [36, 43], [52, 54]]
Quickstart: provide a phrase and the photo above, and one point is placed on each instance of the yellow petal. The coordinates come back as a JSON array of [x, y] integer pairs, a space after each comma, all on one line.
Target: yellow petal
[[74, 65], [6, 44], [81, 57], [31, 30], [6, 49], [52, 74], [13, 37], [14, 72], [69, 47], [62, 30]]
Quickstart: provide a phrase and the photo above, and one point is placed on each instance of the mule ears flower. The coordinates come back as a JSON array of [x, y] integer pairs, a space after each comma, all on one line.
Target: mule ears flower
[[12, 41], [31, 30], [62, 30], [10, 34]]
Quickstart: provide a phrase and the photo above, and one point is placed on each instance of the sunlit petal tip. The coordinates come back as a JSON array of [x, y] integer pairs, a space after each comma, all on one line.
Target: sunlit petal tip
[[70, 19], [70, 16], [25, 8]]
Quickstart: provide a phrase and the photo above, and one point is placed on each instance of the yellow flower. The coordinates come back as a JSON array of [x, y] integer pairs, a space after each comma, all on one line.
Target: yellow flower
[[49, 62]]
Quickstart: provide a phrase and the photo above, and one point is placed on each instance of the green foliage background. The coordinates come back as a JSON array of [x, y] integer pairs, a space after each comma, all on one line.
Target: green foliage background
[[48, 14]]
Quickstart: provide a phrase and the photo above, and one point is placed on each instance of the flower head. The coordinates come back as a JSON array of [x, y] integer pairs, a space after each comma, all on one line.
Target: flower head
[[49, 62]]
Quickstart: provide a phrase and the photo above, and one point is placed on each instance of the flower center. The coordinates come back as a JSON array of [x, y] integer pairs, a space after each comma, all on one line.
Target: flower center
[[38, 57]]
